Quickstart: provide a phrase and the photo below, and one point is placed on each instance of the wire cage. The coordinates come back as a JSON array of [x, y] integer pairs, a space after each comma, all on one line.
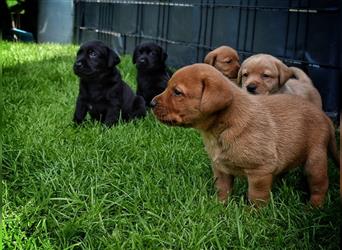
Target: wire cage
[[302, 33]]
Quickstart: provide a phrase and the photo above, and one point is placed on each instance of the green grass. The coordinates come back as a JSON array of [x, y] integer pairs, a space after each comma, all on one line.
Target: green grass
[[138, 185], [10, 3]]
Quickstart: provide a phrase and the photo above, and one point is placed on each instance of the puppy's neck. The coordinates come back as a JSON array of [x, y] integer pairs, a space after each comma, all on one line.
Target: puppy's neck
[[236, 117], [159, 68], [103, 79], [212, 123]]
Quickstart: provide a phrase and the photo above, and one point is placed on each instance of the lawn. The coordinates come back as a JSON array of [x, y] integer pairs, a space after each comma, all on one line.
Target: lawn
[[139, 185]]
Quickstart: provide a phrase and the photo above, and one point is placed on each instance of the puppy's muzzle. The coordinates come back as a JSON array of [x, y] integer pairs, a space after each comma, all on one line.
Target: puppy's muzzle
[[153, 103], [142, 61], [78, 65], [79, 68], [251, 88], [82, 70]]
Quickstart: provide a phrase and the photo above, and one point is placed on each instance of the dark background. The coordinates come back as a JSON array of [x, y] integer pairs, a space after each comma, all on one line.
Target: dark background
[[303, 33]]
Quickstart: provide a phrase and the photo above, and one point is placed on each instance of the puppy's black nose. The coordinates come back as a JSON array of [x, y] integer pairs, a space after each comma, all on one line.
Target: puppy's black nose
[[251, 88], [153, 103], [142, 60], [79, 64]]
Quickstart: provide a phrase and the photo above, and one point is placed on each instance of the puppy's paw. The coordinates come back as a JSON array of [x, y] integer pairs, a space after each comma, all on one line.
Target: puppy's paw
[[77, 121]]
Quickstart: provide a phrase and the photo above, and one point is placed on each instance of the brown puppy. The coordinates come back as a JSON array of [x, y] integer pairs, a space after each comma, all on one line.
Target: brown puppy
[[254, 136], [265, 74], [226, 60]]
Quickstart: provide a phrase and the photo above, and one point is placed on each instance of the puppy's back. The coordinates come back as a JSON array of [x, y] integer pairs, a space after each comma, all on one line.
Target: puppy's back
[[303, 86], [299, 124], [293, 111]]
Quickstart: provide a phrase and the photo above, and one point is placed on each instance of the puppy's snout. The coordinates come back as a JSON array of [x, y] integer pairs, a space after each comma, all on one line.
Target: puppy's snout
[[153, 103], [79, 64], [251, 88], [143, 60]]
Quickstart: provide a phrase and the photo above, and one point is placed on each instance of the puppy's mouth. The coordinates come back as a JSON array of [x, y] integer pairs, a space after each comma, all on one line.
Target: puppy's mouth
[[85, 72], [174, 123], [143, 65], [259, 93], [164, 118], [254, 91], [168, 122]]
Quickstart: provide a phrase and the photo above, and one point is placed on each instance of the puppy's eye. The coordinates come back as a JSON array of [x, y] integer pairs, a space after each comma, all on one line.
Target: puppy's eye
[[245, 74], [153, 53], [176, 92], [92, 53], [229, 61], [265, 75]]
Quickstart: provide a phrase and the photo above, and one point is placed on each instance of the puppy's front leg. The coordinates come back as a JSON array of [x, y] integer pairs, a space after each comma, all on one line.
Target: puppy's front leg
[[224, 184], [112, 116], [80, 111], [259, 187]]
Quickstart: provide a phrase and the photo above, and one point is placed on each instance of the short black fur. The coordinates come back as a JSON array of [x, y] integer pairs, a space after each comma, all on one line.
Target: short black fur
[[102, 93], [152, 73]]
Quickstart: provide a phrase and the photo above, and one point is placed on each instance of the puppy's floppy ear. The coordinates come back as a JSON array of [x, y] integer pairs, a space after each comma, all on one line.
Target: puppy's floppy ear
[[216, 94], [285, 73], [210, 58], [239, 77], [163, 56], [135, 54], [161, 53], [113, 58]]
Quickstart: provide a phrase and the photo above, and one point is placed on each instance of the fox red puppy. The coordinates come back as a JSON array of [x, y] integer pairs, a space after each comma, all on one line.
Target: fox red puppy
[[247, 135]]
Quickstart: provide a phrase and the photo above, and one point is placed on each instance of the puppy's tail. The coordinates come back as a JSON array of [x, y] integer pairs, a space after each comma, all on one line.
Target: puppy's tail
[[300, 75], [334, 153]]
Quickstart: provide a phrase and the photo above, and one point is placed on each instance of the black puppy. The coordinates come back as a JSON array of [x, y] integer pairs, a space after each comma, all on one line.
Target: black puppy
[[103, 94], [152, 73]]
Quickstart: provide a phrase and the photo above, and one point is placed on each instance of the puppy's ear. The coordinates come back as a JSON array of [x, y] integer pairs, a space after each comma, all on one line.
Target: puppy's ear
[[239, 77], [210, 58], [113, 58], [285, 72], [161, 53], [216, 94], [163, 56], [135, 54]]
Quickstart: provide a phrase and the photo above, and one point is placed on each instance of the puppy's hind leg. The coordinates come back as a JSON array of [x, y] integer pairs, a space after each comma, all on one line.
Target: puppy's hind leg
[[112, 117], [317, 175], [139, 108], [96, 117]]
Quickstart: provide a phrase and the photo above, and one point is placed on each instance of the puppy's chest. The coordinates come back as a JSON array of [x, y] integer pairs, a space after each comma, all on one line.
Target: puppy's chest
[[229, 158], [97, 101], [96, 96], [97, 108], [158, 80]]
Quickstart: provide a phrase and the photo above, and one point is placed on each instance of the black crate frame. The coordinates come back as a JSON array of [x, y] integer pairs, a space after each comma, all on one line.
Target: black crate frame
[[303, 33]]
